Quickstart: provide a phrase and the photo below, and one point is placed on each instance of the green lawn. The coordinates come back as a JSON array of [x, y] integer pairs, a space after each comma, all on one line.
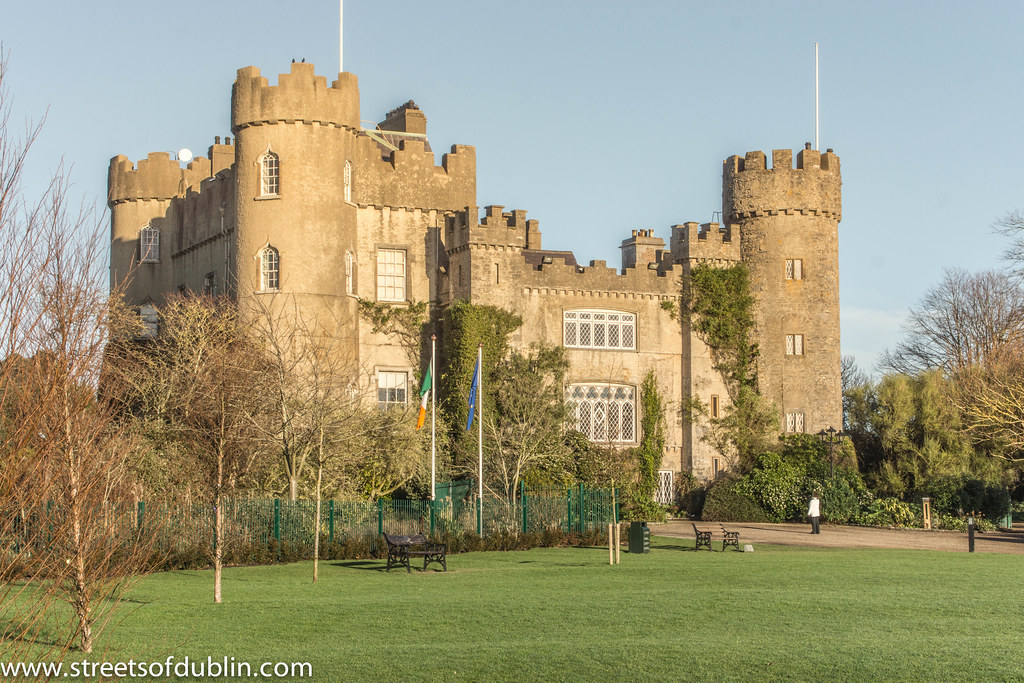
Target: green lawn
[[565, 614]]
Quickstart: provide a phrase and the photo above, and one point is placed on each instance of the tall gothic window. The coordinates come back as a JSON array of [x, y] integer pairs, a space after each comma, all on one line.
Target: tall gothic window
[[149, 245], [270, 175], [348, 181], [605, 413], [270, 269], [599, 329]]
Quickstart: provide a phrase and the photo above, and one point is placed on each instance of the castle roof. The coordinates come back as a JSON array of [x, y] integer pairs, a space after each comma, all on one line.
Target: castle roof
[[535, 257]]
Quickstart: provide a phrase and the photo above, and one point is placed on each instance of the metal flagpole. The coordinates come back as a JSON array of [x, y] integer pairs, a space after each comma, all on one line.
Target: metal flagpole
[[433, 409], [341, 36], [480, 437], [816, 97]]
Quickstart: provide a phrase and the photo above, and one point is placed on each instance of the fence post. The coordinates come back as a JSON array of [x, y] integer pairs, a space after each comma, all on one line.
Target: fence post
[[522, 502], [330, 522], [433, 508], [583, 517], [568, 507], [380, 516], [139, 516], [277, 520]]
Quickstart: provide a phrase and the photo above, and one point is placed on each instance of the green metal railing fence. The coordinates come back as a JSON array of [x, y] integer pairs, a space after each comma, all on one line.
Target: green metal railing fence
[[253, 522]]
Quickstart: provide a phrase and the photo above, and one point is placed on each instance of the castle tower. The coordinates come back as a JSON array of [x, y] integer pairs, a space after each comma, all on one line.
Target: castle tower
[[788, 222], [295, 148]]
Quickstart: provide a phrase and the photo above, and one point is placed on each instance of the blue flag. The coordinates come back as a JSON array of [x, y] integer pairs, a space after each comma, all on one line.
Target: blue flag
[[472, 394]]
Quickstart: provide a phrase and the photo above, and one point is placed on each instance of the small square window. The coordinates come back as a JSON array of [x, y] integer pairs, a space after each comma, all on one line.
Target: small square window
[[794, 344], [794, 269], [392, 389]]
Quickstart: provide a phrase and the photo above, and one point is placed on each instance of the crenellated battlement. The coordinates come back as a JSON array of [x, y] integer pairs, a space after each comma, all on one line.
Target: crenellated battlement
[[497, 228], [155, 177], [299, 97], [750, 189], [782, 160], [656, 279], [409, 178], [702, 242]]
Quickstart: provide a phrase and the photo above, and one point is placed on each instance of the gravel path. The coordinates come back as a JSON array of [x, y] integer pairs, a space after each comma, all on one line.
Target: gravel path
[[1009, 542]]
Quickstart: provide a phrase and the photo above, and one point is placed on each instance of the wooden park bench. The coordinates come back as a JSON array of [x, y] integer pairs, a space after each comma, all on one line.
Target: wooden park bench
[[730, 538], [703, 538], [402, 548]]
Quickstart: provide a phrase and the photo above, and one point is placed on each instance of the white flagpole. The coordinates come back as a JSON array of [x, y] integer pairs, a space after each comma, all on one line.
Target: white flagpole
[[480, 435], [816, 97], [341, 36], [433, 409]]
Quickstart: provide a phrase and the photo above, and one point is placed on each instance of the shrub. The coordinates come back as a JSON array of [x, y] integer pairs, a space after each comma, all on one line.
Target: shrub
[[777, 487], [887, 512], [957, 523], [724, 503], [839, 502]]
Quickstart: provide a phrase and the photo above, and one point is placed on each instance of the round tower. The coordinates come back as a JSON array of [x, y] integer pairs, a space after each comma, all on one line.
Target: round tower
[[788, 222], [295, 144]]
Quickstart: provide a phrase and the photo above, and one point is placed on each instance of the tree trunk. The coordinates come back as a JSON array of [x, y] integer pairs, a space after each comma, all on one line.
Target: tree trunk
[[218, 541], [80, 588], [218, 525], [316, 525]]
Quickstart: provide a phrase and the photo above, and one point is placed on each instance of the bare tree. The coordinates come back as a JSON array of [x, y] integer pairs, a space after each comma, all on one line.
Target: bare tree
[[525, 422], [313, 402], [967, 319], [62, 472], [203, 376]]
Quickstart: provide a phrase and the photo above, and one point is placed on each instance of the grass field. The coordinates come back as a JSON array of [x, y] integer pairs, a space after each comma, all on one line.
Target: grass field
[[565, 614]]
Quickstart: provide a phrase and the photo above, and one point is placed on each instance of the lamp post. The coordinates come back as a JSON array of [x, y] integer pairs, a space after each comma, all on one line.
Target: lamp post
[[831, 437]]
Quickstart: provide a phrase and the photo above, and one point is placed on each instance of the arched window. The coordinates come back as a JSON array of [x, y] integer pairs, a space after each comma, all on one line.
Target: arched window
[[348, 181], [150, 320], [605, 413], [270, 269], [599, 329], [349, 284], [270, 175], [149, 245]]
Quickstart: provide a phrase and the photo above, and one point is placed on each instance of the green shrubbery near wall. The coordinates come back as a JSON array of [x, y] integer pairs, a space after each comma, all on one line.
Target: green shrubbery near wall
[[371, 547], [724, 502]]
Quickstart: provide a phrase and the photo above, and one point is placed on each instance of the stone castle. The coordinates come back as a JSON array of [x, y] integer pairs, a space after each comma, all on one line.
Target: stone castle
[[307, 204]]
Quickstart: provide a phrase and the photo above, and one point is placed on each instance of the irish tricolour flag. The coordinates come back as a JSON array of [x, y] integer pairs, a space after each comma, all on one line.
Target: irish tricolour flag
[[425, 395]]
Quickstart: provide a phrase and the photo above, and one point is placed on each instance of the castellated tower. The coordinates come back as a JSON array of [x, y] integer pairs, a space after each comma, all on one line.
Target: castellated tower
[[788, 222], [302, 132]]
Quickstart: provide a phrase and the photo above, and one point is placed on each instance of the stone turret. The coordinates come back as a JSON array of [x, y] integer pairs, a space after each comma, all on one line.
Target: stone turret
[[788, 222]]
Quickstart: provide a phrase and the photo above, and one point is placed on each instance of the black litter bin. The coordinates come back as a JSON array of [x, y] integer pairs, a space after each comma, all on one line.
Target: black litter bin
[[639, 537]]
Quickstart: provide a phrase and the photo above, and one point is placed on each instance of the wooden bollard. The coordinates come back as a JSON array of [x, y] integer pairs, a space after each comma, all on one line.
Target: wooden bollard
[[611, 550]]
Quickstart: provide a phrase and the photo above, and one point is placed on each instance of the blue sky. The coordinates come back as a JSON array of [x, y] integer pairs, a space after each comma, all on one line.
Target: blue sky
[[596, 117]]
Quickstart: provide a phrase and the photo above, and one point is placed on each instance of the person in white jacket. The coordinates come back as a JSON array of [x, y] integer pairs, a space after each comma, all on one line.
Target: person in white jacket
[[814, 512]]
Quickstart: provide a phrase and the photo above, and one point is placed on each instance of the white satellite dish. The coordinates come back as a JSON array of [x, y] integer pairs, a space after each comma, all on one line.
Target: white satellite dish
[[185, 154]]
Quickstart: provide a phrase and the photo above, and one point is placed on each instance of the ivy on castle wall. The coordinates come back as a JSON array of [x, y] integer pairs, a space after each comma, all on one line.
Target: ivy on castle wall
[[721, 311], [402, 322], [465, 326], [649, 453]]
